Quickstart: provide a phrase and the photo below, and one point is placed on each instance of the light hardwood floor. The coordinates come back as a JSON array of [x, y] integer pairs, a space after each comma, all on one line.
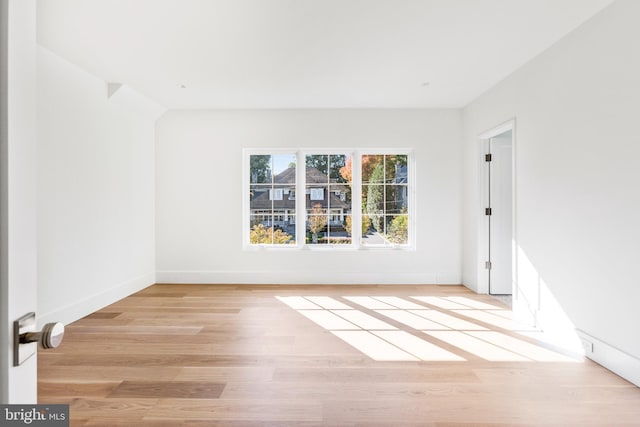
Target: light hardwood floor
[[218, 355]]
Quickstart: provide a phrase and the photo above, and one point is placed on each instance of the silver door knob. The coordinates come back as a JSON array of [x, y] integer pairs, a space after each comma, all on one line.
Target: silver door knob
[[49, 337]]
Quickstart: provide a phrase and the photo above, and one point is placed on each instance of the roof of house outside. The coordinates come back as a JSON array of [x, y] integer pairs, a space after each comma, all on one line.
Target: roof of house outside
[[262, 201], [312, 176], [314, 179]]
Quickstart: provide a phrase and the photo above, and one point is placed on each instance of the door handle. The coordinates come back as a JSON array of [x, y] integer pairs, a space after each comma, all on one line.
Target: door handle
[[49, 337], [25, 337]]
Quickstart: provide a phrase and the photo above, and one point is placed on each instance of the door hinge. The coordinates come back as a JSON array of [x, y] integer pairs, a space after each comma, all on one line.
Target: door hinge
[[487, 265], [488, 157], [487, 211]]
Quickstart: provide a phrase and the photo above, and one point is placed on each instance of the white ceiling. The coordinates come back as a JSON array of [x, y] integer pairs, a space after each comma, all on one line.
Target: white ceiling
[[307, 53]]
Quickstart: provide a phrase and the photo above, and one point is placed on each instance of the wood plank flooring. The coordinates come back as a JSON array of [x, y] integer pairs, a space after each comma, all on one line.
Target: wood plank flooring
[[221, 355]]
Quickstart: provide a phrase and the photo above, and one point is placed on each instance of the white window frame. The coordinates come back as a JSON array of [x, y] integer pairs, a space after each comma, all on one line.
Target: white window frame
[[356, 197], [411, 200]]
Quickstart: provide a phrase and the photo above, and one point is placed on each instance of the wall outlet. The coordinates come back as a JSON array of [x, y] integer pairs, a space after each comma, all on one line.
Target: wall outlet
[[587, 346]]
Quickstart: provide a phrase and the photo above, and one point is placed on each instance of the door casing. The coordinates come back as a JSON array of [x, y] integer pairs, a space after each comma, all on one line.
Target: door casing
[[499, 222], [483, 200]]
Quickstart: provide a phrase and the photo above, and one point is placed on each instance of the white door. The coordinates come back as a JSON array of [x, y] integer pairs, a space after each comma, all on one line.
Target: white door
[[500, 220], [18, 384]]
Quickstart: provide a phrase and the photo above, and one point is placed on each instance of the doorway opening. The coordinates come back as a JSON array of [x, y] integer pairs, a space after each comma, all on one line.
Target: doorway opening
[[498, 223]]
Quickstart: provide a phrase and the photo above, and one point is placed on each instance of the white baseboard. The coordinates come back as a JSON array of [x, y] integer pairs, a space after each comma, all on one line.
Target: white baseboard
[[312, 277], [615, 360], [78, 309]]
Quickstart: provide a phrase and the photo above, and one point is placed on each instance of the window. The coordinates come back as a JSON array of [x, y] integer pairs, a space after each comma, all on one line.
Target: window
[[334, 199], [329, 202], [270, 176], [385, 204]]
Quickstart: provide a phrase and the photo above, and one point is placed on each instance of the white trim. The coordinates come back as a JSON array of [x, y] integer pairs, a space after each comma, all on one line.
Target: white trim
[[79, 309], [483, 229], [301, 199], [246, 199], [482, 276], [309, 278], [412, 202], [498, 130], [514, 208], [385, 151], [612, 358], [356, 197]]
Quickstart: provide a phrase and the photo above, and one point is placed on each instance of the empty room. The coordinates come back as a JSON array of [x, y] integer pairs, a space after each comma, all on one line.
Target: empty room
[[320, 213]]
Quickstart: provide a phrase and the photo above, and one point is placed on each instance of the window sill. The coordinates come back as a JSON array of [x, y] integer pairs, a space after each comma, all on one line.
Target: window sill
[[332, 248]]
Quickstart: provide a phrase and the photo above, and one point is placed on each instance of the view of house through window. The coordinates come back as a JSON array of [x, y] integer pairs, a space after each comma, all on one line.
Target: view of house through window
[[328, 199], [272, 198], [326, 193]]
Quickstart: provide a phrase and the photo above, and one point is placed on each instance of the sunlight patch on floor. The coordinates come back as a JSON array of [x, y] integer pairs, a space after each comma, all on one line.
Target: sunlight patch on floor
[[527, 349], [400, 303], [363, 320], [477, 346], [422, 331], [441, 303], [471, 303], [420, 348], [497, 321], [370, 303], [299, 303], [328, 320], [451, 322], [329, 303], [412, 320], [374, 347]]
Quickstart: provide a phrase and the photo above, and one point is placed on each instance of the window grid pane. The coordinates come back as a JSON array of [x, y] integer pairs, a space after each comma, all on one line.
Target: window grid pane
[[328, 198], [272, 207], [385, 200]]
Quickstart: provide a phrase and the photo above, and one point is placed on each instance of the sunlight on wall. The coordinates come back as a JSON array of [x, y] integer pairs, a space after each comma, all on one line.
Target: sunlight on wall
[[435, 329], [536, 304]]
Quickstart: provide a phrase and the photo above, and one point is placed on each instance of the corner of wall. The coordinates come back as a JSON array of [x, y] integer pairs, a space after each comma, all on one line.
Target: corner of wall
[[79, 309], [132, 101]]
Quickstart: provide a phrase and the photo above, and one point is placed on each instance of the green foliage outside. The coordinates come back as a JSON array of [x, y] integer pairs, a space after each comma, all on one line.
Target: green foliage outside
[[398, 231], [366, 224], [335, 240], [375, 198], [317, 222], [261, 234], [260, 168], [328, 165]]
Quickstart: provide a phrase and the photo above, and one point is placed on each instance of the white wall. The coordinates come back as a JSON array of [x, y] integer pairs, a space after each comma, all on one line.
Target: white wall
[[199, 195], [95, 191], [578, 196]]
